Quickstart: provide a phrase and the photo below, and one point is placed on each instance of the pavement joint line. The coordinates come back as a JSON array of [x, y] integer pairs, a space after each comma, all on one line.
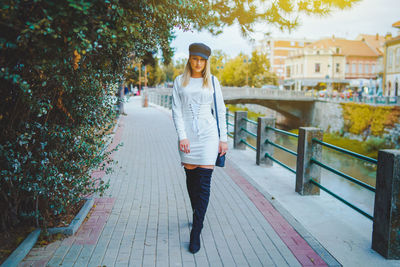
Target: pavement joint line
[[249, 190], [151, 207], [300, 230], [241, 226]]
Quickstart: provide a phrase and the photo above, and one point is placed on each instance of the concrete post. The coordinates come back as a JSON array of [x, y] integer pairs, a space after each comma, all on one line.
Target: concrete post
[[306, 150], [262, 135], [386, 226], [238, 132]]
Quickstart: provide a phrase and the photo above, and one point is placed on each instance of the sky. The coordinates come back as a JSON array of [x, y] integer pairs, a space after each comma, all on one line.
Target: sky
[[366, 16]]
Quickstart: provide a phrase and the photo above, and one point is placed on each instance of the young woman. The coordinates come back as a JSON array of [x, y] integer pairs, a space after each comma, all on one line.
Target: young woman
[[196, 126]]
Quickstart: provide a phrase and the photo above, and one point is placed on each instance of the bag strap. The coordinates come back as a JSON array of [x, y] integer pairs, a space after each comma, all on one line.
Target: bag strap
[[215, 105]]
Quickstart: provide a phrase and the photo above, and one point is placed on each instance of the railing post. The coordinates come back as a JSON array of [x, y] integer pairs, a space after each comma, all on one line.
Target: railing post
[[386, 226], [304, 169], [262, 135], [387, 100], [227, 119], [238, 132]]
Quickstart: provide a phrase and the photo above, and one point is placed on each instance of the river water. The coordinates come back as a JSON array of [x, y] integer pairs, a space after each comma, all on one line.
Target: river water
[[353, 193]]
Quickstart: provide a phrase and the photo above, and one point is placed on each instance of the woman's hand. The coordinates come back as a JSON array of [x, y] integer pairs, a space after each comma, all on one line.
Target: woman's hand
[[223, 147], [184, 145]]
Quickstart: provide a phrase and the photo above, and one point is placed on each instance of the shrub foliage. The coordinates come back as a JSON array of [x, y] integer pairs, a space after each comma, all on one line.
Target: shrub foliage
[[60, 62], [367, 119]]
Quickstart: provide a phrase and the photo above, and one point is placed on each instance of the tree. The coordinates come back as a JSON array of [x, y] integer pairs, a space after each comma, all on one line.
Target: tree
[[217, 60], [259, 70], [60, 64], [234, 72]]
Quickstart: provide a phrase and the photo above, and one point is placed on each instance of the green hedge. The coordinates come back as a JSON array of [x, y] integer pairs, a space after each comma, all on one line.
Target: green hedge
[[60, 64]]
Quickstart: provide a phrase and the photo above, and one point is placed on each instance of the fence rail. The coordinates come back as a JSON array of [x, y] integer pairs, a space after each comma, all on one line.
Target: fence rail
[[341, 199], [308, 159], [345, 151]]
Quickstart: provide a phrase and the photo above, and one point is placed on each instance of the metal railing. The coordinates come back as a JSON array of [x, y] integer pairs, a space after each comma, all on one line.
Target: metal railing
[[341, 199], [281, 147], [280, 163], [247, 144], [228, 123], [345, 176], [311, 160]]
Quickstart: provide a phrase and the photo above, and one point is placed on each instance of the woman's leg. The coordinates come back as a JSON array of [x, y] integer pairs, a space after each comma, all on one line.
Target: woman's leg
[[201, 203], [194, 166], [191, 181]]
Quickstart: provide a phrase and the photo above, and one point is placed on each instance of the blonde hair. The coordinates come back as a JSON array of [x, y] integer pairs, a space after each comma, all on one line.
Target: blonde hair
[[187, 73]]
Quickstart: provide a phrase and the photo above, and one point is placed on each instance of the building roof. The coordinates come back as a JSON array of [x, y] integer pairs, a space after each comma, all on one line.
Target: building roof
[[396, 24], [376, 42], [347, 47]]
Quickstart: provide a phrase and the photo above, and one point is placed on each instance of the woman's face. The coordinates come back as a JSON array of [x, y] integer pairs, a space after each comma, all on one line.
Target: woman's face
[[197, 63]]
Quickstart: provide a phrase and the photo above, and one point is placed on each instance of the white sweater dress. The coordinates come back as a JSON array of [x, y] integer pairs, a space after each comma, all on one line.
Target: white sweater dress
[[193, 119]]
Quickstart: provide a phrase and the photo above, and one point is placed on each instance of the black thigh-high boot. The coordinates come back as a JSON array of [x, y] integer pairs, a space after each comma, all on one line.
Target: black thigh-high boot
[[191, 182], [201, 203]]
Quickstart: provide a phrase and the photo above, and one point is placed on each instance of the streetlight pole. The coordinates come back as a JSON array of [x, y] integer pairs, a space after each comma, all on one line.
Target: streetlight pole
[[247, 61]]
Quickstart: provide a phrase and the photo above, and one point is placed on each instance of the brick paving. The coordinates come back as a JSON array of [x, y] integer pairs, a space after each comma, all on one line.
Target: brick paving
[[144, 218]]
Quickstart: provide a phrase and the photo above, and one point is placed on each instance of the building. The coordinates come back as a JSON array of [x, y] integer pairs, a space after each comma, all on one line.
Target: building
[[391, 77], [333, 64], [377, 43], [278, 50]]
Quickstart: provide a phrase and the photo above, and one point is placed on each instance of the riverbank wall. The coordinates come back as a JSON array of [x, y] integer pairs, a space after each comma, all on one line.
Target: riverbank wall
[[351, 120]]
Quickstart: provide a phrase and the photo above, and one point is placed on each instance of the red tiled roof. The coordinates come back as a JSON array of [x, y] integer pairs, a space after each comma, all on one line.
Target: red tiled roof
[[376, 42], [396, 24], [347, 47]]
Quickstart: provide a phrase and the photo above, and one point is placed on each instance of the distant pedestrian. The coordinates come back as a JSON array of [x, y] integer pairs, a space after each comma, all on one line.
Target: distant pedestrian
[[199, 143]]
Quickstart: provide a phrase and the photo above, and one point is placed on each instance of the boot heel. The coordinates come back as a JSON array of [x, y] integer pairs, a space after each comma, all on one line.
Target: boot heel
[[194, 245]]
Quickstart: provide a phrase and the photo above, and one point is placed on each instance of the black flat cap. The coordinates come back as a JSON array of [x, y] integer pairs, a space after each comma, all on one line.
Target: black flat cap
[[199, 49]]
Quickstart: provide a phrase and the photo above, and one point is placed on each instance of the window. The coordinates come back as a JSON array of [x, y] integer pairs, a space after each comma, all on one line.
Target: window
[[397, 57], [337, 67], [347, 67], [353, 68], [288, 71], [373, 68], [337, 50], [390, 58], [367, 68], [360, 68], [292, 43], [317, 67]]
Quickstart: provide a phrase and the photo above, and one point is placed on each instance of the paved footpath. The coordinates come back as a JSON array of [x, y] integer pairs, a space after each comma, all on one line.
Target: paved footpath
[[144, 218]]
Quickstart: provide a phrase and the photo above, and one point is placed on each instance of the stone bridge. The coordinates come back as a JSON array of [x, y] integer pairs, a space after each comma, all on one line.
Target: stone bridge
[[299, 108]]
